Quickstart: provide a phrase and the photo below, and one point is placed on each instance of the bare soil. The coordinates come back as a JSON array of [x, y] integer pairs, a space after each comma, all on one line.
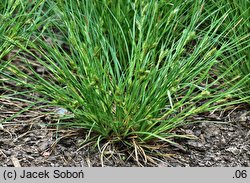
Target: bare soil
[[28, 140]]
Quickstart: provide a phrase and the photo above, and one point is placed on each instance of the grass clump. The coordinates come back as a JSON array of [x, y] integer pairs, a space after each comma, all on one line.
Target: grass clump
[[131, 74], [239, 54], [18, 19]]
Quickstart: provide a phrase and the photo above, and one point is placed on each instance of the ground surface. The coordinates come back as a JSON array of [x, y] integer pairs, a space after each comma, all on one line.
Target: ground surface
[[28, 141]]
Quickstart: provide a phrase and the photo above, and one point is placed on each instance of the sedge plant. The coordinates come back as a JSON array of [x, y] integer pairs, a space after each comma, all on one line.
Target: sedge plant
[[18, 21], [131, 74], [237, 16]]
